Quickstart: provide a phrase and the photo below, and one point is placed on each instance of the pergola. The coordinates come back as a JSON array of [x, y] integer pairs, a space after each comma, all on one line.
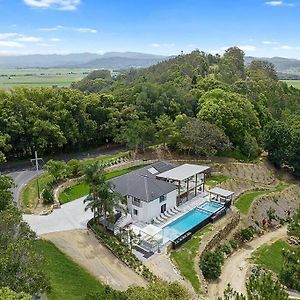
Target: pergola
[[221, 195], [188, 178]]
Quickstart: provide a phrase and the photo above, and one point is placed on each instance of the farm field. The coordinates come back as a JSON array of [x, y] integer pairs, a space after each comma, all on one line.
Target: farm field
[[294, 83], [43, 77]]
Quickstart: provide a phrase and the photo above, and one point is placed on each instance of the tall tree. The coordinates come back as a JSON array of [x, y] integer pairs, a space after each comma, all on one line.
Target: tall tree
[[278, 141], [166, 129], [231, 65], [102, 199]]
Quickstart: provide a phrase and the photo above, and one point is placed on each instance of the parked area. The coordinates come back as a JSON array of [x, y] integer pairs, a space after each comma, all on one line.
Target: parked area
[[69, 217]]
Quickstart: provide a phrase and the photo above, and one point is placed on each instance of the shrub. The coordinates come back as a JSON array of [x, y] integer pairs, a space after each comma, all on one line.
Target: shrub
[[48, 195], [210, 264], [75, 168], [233, 244], [226, 249], [246, 234], [290, 272]]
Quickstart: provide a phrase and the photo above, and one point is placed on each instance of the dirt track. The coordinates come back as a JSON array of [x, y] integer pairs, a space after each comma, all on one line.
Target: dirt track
[[85, 250], [236, 266]]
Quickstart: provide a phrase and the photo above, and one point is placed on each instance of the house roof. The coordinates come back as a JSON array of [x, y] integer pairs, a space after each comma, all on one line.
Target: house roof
[[143, 184], [221, 192], [183, 172]]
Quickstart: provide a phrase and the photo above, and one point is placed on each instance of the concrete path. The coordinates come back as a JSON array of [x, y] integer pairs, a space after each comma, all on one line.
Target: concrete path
[[236, 266], [85, 250], [70, 216]]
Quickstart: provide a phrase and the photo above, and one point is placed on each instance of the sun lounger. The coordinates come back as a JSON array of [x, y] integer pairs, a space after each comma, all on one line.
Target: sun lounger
[[167, 214], [163, 217], [177, 209], [172, 213], [160, 219]]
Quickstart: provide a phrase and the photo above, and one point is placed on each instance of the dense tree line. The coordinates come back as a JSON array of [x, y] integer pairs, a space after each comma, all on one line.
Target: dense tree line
[[236, 106], [20, 266]]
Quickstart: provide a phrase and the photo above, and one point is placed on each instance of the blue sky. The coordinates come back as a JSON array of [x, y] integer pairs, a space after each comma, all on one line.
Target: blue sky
[[259, 27]]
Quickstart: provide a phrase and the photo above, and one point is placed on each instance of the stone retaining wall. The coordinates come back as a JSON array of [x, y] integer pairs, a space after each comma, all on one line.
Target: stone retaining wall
[[215, 238]]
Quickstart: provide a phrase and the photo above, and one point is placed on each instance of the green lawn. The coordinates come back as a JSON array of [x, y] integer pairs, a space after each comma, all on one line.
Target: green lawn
[[184, 258], [294, 83], [30, 192], [270, 256], [244, 202], [215, 180], [68, 280], [81, 189]]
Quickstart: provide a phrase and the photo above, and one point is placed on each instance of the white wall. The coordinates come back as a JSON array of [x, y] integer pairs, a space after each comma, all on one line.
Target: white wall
[[150, 210]]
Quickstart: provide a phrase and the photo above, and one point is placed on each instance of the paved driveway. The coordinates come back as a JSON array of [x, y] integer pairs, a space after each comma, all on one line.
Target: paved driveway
[[69, 217]]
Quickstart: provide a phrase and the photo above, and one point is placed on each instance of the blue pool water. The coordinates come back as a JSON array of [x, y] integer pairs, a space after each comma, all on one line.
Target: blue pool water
[[211, 206], [190, 220]]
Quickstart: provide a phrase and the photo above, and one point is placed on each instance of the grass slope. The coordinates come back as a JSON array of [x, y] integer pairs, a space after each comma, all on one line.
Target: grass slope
[[82, 189], [244, 202], [184, 258], [270, 256], [215, 180], [68, 280]]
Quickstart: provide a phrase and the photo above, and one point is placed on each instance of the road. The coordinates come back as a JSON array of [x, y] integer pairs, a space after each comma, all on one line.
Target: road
[[23, 172], [236, 266]]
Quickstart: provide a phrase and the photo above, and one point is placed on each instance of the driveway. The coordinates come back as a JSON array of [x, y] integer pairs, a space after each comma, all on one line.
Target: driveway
[[69, 217], [237, 265], [86, 250]]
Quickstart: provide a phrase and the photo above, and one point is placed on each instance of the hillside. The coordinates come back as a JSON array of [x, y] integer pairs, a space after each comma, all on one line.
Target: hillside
[[110, 60], [283, 65]]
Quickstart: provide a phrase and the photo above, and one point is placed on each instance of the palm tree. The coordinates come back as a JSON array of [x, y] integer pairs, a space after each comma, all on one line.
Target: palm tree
[[102, 199]]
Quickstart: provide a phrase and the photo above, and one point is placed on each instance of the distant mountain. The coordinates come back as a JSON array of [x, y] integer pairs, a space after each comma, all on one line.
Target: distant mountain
[[110, 60], [283, 65]]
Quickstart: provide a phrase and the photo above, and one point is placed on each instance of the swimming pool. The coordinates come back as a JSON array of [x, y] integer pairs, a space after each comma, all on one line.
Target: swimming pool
[[190, 220]]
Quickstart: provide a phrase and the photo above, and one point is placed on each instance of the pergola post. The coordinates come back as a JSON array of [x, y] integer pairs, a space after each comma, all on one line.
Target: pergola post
[[196, 184], [187, 189]]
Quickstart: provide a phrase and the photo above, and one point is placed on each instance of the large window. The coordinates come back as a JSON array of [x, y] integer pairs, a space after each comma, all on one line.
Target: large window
[[136, 202], [162, 198]]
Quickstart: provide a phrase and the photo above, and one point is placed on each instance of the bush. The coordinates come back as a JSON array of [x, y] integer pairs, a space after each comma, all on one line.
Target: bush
[[234, 244], [48, 195], [75, 168], [246, 234], [290, 272], [226, 249], [210, 264]]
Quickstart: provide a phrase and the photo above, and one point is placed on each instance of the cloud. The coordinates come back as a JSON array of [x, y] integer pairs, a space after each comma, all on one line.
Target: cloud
[[90, 30], [29, 39], [269, 43], [8, 35], [18, 37], [77, 29], [163, 45], [55, 40], [11, 44], [279, 3], [53, 4], [287, 47]]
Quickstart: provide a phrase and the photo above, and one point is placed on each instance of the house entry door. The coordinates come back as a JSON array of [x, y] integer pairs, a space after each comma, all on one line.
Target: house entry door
[[163, 208]]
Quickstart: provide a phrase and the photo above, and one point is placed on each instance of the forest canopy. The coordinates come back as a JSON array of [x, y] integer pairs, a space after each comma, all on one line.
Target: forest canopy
[[250, 107]]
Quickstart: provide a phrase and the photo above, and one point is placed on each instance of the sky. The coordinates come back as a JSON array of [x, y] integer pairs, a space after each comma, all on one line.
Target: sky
[[261, 28]]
